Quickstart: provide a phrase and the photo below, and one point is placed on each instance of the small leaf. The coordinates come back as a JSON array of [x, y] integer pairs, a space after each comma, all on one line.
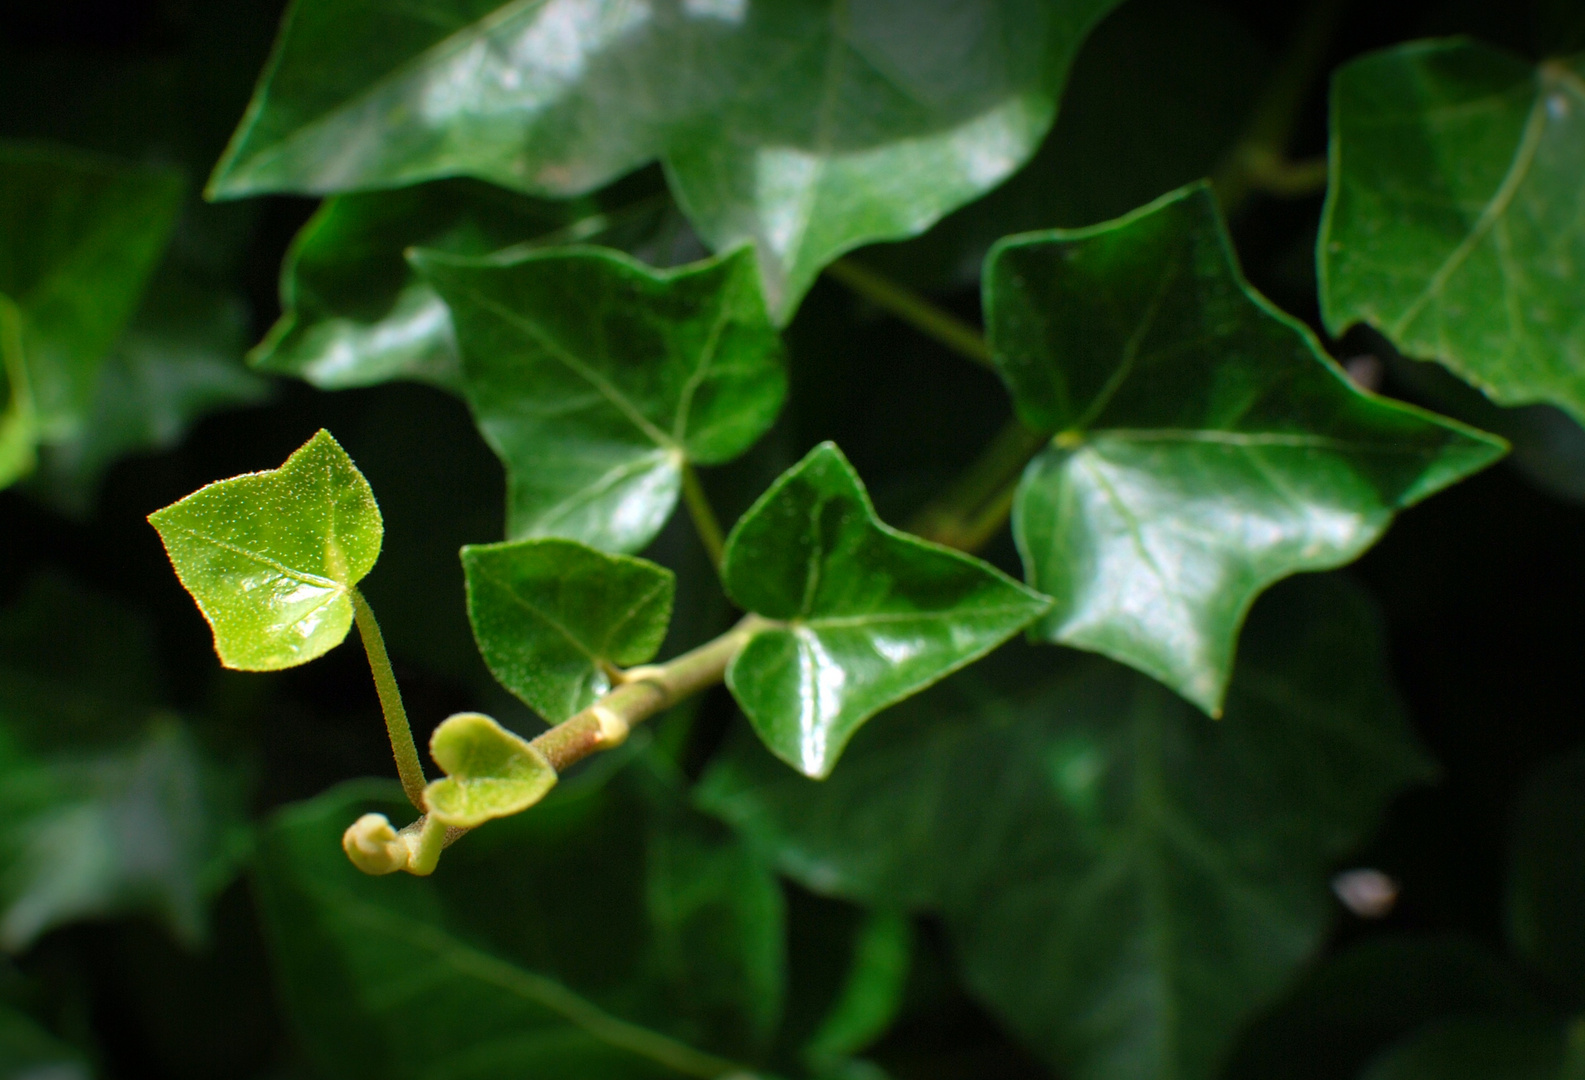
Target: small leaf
[[272, 557], [867, 615], [553, 617], [490, 772], [596, 379], [1126, 883], [1454, 220], [1208, 447], [807, 128]]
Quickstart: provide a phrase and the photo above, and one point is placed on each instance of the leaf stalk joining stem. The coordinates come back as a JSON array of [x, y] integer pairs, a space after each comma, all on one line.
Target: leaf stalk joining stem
[[913, 309], [408, 767]]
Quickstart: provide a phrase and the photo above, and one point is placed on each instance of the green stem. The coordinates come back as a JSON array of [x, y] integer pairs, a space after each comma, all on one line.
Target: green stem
[[913, 309], [647, 691], [408, 766], [973, 509], [705, 523], [1256, 162]]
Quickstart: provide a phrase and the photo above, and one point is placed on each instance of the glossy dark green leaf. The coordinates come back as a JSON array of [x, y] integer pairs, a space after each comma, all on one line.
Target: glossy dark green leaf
[[863, 615], [606, 934], [1125, 881], [490, 772], [272, 557], [553, 618], [1483, 1048], [1453, 222], [108, 805], [596, 380], [808, 127], [1546, 886], [79, 236], [355, 312], [1206, 448]]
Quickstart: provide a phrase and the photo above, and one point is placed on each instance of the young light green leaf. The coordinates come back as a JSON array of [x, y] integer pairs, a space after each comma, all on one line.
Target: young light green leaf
[[864, 615], [553, 618], [596, 380], [490, 772], [808, 128], [79, 236], [567, 942], [1207, 446], [1454, 219], [1144, 880], [272, 557]]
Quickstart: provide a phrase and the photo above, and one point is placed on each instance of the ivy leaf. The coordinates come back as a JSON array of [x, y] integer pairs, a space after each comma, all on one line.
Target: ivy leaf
[[356, 313], [1453, 221], [553, 618], [610, 933], [597, 380], [108, 805], [864, 615], [1207, 446], [808, 128], [80, 235], [490, 772], [1125, 882], [272, 557]]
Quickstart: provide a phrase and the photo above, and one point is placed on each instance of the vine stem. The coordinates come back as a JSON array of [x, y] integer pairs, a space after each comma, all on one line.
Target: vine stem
[[1256, 162], [644, 692], [705, 523], [913, 309], [408, 767]]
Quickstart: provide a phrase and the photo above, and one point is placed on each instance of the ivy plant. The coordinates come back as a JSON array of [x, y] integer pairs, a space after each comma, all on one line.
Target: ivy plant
[[866, 492]]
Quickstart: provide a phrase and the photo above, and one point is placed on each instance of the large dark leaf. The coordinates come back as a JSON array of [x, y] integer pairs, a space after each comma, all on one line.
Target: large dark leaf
[[609, 933], [1206, 446], [809, 126], [1125, 880], [598, 380]]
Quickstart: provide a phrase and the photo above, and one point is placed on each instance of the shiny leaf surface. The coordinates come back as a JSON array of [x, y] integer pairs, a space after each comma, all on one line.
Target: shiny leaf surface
[[867, 615], [1453, 223], [808, 127], [1206, 448], [553, 617], [79, 236], [109, 806], [490, 772], [356, 313], [610, 933], [271, 557], [596, 380], [1144, 879]]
